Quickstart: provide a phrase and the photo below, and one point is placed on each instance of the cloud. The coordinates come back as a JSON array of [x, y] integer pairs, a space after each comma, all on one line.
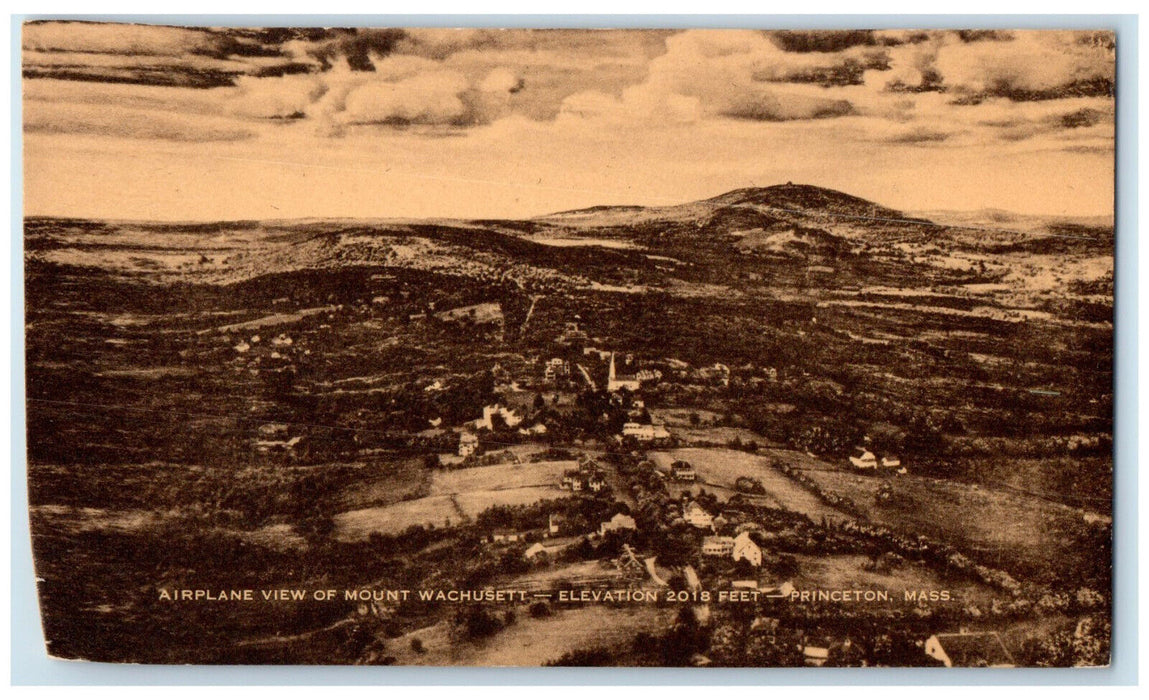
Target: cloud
[[359, 48], [930, 88], [1021, 66], [133, 39], [152, 54], [283, 97], [823, 40], [119, 122], [919, 135], [765, 106], [727, 74], [422, 99], [400, 91]]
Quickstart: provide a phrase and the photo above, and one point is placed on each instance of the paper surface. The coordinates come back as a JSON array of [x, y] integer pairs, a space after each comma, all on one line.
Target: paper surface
[[580, 347]]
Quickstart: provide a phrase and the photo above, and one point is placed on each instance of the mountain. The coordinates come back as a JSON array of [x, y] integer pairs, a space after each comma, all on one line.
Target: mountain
[[787, 200], [779, 232]]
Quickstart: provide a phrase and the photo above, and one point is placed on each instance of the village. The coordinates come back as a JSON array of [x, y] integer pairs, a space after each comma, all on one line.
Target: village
[[664, 529]]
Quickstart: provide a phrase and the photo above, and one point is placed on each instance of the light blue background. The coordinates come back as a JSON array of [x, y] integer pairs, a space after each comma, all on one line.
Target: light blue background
[[31, 666]]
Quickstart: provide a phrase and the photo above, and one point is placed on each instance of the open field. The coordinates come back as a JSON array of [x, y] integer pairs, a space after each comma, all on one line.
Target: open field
[[533, 642], [499, 477], [456, 495], [723, 467], [435, 511], [846, 572], [1041, 536]]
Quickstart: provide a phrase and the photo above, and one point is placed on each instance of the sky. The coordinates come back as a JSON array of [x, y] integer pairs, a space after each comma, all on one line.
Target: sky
[[172, 123]]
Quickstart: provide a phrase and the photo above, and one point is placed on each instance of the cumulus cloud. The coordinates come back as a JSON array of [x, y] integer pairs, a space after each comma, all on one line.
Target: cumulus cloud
[[422, 99], [399, 91], [727, 74], [1022, 65], [282, 97], [930, 88]]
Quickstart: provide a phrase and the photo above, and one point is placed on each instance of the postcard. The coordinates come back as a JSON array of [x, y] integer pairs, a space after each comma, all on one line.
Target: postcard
[[597, 347]]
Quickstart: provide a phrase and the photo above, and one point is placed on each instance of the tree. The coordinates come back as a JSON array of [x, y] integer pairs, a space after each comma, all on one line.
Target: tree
[[475, 622]]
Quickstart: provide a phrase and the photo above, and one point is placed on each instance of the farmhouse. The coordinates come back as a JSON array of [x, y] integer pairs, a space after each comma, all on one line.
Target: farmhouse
[[717, 546], [643, 432], [603, 355], [572, 335], [682, 471], [595, 481], [969, 649], [629, 564], [555, 368], [572, 480], [468, 443], [891, 461], [697, 516], [588, 477], [534, 550], [509, 417], [815, 655], [863, 459], [506, 535], [619, 522], [744, 548]]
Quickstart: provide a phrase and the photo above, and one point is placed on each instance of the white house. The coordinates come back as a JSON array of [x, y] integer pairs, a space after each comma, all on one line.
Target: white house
[[534, 550], [864, 459], [816, 656], [645, 433], [682, 471], [468, 443], [621, 521], [969, 649], [717, 546], [506, 535], [556, 367], [744, 548], [692, 580], [697, 516], [891, 461]]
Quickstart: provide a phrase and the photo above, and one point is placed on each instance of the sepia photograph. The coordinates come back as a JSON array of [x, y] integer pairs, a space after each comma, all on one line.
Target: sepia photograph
[[729, 348]]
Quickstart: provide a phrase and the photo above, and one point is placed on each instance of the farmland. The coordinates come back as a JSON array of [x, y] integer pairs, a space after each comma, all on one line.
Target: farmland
[[289, 404]]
